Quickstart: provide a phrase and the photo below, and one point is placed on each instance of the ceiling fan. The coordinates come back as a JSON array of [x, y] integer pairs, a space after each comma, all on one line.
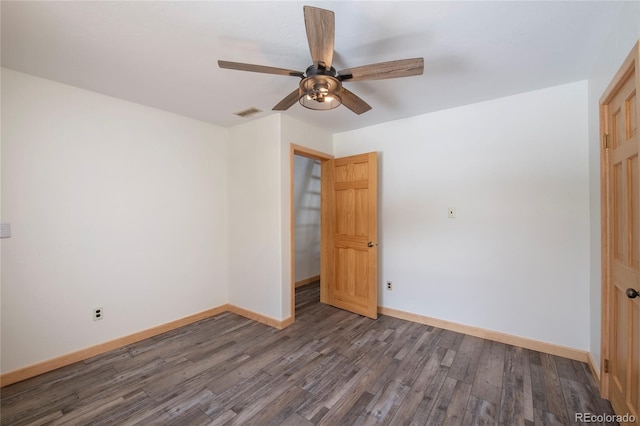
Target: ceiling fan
[[321, 86]]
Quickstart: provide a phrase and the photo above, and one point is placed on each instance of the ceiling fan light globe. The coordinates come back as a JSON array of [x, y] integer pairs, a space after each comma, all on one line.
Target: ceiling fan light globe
[[320, 92]]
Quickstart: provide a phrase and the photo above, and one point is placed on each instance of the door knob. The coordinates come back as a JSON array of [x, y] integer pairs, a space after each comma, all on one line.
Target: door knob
[[632, 293], [371, 244]]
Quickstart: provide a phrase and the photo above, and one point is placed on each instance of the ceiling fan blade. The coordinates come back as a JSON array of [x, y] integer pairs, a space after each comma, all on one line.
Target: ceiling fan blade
[[353, 102], [382, 70], [287, 102], [320, 24], [259, 68]]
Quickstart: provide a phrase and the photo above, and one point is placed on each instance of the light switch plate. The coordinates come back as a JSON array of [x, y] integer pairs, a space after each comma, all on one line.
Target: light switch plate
[[451, 212], [5, 230]]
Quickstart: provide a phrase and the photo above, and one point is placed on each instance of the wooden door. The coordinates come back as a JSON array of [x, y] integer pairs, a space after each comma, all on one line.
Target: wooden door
[[620, 128], [349, 253]]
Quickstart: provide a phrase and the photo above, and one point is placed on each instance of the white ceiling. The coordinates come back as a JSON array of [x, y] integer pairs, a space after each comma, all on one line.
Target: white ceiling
[[164, 54]]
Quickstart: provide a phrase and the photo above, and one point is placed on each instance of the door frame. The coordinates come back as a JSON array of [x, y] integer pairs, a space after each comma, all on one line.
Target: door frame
[[316, 155], [629, 65]]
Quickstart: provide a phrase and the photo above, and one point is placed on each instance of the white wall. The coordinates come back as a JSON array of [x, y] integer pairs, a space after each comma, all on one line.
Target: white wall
[[515, 260], [254, 210], [624, 34], [307, 217], [111, 204], [259, 211]]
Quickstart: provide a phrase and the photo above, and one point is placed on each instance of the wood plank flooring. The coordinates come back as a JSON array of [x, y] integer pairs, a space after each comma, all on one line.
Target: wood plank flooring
[[329, 368]]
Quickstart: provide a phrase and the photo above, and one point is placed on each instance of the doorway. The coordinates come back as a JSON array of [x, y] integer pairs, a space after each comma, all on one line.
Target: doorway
[[348, 231], [307, 190], [306, 193]]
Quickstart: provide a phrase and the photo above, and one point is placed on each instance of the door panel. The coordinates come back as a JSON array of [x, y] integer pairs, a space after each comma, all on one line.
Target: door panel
[[349, 223], [623, 188]]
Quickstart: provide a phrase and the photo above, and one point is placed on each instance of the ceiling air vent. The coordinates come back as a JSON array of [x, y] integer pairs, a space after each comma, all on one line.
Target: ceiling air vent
[[248, 112]]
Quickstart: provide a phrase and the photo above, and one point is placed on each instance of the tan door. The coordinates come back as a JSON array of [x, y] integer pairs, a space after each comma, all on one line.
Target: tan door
[[620, 115], [349, 253]]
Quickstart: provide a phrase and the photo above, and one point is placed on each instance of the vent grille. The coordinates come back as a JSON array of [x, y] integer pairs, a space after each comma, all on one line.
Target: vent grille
[[248, 112]]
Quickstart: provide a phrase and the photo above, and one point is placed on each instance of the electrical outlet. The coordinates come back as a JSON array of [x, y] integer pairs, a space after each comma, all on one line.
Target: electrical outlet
[[97, 313], [389, 285], [5, 230]]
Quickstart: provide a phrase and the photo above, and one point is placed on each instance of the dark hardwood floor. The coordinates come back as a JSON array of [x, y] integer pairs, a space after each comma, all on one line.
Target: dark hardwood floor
[[330, 368]]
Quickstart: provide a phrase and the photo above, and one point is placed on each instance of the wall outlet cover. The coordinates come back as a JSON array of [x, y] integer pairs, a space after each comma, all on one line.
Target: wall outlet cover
[[5, 230]]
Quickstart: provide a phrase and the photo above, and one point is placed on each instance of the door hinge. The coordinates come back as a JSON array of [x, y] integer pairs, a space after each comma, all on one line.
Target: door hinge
[[605, 140], [606, 366]]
